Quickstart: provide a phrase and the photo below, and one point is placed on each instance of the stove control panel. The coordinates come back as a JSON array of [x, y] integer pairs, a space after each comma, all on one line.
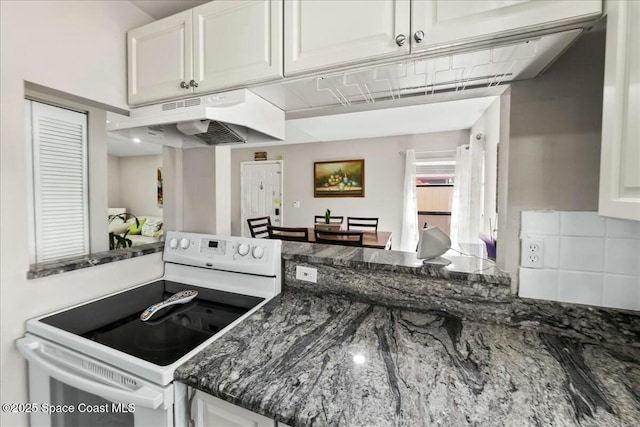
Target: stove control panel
[[230, 253]]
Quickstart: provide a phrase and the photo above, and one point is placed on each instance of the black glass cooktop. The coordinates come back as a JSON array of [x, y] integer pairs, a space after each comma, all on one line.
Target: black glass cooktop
[[169, 334]]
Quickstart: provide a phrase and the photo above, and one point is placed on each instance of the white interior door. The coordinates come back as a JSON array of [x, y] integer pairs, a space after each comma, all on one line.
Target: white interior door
[[261, 192]]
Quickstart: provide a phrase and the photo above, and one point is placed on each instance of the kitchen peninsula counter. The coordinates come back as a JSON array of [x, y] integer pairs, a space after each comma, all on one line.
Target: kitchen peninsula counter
[[467, 287], [325, 360]]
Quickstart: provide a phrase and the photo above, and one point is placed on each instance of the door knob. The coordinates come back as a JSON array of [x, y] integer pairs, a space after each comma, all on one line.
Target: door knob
[[193, 83], [418, 36], [184, 85], [400, 39]]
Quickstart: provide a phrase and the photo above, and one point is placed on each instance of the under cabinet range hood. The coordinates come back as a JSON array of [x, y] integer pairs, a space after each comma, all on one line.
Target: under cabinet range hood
[[223, 118]]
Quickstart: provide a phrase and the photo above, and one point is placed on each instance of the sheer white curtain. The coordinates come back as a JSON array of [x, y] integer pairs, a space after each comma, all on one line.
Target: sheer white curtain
[[409, 236], [466, 206]]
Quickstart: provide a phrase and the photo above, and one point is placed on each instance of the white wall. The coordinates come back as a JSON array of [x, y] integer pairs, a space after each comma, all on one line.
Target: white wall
[[139, 185], [384, 176], [556, 122], [77, 48], [113, 181]]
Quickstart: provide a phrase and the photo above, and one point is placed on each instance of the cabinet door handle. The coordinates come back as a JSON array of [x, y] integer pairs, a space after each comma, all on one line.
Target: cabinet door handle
[[400, 39], [418, 36], [184, 85], [193, 83]]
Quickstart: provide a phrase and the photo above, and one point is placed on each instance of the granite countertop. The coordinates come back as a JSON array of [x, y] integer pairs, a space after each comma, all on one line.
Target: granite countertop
[[453, 267], [59, 266], [324, 360]]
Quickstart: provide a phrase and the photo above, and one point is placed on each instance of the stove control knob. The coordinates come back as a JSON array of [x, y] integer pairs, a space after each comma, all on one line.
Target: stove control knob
[[173, 243], [184, 243], [258, 252], [243, 249]]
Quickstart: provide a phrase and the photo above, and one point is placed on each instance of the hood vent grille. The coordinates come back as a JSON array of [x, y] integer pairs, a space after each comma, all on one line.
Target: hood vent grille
[[193, 102], [221, 133], [213, 132]]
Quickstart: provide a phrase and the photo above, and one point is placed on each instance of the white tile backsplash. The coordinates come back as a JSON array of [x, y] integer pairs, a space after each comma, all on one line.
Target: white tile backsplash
[[540, 222], [551, 251], [538, 284], [588, 259], [622, 256], [621, 291], [588, 224], [580, 287], [623, 229], [582, 253]]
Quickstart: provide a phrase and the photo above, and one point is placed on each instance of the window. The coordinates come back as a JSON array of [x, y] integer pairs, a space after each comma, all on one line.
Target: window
[[60, 194]]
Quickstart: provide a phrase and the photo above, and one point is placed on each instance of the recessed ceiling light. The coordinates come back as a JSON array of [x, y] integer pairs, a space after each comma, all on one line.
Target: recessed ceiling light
[[108, 121], [136, 140]]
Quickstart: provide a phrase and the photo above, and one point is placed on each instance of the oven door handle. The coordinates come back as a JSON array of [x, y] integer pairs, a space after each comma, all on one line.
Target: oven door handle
[[144, 396]]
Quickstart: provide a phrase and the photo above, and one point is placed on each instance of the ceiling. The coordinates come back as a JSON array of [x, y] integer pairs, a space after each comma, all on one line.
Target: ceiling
[[161, 9], [120, 146], [408, 120]]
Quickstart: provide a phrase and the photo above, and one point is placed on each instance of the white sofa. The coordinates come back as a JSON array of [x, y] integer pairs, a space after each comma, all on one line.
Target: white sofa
[[151, 233]]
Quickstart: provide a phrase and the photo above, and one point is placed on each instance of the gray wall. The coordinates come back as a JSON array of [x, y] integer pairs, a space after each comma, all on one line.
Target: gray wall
[[556, 121], [113, 181], [384, 177], [139, 185]]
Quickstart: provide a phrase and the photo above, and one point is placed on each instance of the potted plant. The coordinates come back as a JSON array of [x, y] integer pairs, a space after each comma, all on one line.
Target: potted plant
[[117, 241], [327, 225]]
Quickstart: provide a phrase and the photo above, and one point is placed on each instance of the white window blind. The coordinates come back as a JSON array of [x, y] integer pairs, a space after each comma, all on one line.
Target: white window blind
[[60, 182]]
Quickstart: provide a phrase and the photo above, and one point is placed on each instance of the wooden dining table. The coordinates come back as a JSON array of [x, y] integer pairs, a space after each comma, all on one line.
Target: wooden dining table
[[370, 239]]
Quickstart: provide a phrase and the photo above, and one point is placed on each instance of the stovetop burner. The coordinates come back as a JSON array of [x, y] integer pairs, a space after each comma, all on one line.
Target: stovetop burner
[[170, 334]]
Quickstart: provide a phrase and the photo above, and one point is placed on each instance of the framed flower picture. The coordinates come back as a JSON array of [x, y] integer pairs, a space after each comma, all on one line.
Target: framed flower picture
[[338, 178]]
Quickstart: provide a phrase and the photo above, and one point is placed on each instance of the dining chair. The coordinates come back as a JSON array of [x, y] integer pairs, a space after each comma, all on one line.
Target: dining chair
[[258, 226], [294, 234], [362, 222], [345, 238], [332, 219]]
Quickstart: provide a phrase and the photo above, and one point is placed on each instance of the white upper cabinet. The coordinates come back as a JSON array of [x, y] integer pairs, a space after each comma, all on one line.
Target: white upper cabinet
[[325, 34], [159, 59], [446, 23], [620, 152], [215, 46], [237, 42], [322, 34]]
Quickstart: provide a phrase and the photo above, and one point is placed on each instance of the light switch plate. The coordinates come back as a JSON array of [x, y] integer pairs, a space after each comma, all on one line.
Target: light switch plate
[[296, 204], [306, 274]]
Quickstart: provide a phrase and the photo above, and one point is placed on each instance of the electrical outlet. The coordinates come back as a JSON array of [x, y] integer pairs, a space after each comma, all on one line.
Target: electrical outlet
[[296, 204], [307, 274], [532, 253]]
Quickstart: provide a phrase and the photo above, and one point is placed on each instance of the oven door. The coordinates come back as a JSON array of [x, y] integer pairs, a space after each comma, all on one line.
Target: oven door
[[67, 388]]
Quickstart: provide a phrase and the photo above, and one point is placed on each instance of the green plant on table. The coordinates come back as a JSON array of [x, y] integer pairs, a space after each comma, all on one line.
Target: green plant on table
[[327, 216], [117, 241]]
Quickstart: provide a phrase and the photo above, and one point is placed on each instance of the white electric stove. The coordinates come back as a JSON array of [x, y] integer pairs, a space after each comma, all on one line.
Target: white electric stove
[[98, 363]]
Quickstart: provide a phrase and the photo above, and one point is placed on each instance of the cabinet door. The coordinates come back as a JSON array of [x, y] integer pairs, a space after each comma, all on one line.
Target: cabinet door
[[237, 43], [207, 410], [159, 59], [444, 23], [620, 152], [323, 34]]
